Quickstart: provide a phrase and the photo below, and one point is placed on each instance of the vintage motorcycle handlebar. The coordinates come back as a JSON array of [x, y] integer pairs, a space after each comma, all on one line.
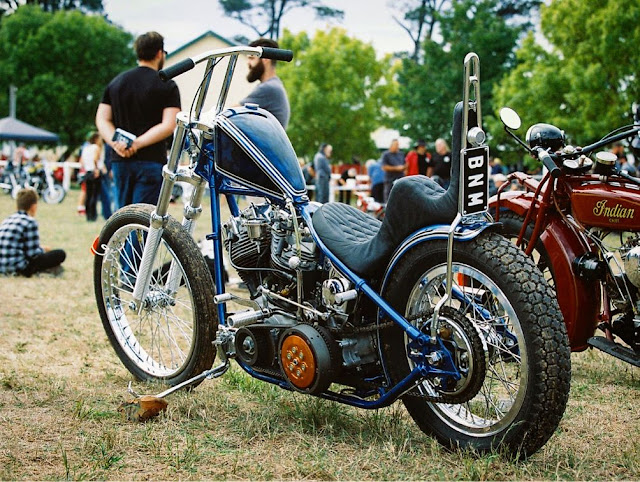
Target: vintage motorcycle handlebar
[[553, 160], [190, 62]]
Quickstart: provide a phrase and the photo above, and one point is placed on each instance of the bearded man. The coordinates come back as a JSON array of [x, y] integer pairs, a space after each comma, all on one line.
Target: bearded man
[[269, 94]]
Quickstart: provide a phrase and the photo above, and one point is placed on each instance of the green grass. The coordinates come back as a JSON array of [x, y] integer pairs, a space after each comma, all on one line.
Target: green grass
[[61, 384]]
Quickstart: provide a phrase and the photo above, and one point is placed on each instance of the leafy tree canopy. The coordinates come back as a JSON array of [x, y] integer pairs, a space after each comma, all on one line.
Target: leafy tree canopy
[[421, 18], [61, 64], [337, 89], [429, 89], [586, 83], [264, 17]]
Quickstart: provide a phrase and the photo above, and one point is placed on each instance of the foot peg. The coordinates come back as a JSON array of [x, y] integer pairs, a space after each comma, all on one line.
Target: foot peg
[[615, 349]]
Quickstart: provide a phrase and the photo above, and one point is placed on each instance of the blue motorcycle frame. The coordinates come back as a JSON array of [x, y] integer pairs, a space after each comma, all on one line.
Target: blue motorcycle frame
[[207, 173], [342, 306]]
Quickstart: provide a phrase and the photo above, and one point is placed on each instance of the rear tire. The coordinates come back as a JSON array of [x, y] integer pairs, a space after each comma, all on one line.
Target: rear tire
[[528, 371], [171, 340]]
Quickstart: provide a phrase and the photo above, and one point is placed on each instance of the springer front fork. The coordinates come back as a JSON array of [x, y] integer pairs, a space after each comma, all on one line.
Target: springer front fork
[[159, 217]]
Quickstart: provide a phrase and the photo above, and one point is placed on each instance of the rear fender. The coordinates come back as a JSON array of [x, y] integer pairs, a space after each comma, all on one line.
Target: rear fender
[[432, 233]]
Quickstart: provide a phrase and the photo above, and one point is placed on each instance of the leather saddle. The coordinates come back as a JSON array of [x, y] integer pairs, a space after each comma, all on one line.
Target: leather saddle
[[363, 243]]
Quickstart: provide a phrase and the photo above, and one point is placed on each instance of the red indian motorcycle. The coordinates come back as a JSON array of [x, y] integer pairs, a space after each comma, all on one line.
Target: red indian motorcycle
[[581, 225]]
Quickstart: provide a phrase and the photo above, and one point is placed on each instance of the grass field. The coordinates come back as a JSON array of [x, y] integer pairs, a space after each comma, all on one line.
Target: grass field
[[61, 384]]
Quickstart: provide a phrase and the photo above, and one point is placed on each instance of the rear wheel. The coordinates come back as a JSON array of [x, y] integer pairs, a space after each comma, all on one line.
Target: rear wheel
[[527, 370], [170, 339]]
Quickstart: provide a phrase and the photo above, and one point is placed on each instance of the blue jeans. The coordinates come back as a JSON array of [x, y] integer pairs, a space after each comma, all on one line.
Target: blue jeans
[[105, 196], [137, 182]]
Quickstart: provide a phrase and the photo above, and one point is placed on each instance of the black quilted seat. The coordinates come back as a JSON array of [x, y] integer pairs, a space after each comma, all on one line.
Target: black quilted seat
[[365, 244]]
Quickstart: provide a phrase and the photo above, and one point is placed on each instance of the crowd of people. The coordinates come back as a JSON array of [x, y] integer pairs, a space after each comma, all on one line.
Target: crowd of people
[[392, 165]]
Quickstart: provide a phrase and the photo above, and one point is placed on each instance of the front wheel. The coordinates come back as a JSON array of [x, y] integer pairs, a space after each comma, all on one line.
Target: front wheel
[[170, 337], [54, 194], [526, 371]]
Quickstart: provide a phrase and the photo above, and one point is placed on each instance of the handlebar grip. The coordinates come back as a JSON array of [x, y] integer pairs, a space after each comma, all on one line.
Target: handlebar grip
[[549, 163], [277, 54], [177, 69]]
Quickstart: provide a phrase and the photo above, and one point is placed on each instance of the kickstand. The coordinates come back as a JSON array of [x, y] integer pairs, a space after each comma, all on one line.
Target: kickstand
[[144, 407]]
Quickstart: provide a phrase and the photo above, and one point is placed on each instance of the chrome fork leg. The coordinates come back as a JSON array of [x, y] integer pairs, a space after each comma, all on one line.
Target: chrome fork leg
[[191, 213], [158, 219]]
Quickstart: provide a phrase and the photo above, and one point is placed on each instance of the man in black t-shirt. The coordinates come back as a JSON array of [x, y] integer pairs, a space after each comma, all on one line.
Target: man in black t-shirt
[[138, 102], [439, 166]]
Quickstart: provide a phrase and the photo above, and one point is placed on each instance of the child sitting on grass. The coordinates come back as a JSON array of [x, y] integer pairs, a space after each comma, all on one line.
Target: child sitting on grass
[[20, 250]]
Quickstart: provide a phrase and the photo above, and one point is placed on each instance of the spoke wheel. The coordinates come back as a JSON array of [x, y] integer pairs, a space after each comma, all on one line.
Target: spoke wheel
[[526, 383], [54, 194], [169, 335]]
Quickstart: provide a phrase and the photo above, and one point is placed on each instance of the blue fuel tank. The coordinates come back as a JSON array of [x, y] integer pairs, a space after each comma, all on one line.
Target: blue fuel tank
[[254, 151]]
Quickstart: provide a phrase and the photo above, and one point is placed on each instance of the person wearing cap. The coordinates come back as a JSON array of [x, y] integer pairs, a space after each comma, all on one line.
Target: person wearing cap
[[495, 182], [417, 159]]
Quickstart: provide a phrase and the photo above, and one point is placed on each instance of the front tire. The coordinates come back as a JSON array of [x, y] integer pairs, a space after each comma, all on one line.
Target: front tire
[[528, 368], [511, 225], [171, 339], [54, 194]]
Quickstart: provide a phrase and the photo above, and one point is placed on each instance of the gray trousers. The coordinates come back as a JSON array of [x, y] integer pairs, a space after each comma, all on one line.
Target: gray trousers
[[322, 189]]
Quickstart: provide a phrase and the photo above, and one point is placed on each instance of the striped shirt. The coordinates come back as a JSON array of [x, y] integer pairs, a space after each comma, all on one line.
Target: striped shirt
[[19, 242]]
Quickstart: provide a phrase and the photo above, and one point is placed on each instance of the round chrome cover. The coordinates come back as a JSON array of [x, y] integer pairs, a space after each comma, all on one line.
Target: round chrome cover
[[606, 158]]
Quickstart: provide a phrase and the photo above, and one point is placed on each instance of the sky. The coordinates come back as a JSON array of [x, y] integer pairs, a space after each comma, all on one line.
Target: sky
[[181, 21]]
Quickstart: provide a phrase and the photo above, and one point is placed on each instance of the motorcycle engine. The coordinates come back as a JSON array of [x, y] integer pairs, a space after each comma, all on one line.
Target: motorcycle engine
[[261, 240], [626, 245]]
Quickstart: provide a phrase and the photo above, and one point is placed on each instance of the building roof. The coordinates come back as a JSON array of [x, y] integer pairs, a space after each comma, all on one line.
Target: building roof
[[209, 33]]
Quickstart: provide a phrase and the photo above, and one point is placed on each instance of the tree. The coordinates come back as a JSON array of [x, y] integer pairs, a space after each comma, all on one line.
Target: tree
[[8, 6], [428, 90], [421, 18], [586, 83], [61, 64], [337, 90], [264, 17], [419, 21], [538, 71]]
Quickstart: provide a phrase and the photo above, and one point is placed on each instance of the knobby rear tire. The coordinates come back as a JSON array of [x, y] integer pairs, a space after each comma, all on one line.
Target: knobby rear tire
[[172, 339], [529, 366]]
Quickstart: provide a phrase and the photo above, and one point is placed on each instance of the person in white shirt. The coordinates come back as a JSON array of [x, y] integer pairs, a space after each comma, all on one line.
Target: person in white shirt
[[93, 163]]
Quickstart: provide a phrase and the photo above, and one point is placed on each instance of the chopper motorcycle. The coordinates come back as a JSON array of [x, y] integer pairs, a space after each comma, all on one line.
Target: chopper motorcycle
[[430, 306], [579, 223]]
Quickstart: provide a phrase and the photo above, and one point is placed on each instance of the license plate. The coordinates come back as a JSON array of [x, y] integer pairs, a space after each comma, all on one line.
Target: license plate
[[474, 180]]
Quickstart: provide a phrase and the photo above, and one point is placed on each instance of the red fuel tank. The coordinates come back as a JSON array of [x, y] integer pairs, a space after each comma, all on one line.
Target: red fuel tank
[[613, 206]]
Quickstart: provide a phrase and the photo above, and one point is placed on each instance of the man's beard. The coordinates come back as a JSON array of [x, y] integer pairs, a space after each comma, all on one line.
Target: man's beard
[[255, 72]]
